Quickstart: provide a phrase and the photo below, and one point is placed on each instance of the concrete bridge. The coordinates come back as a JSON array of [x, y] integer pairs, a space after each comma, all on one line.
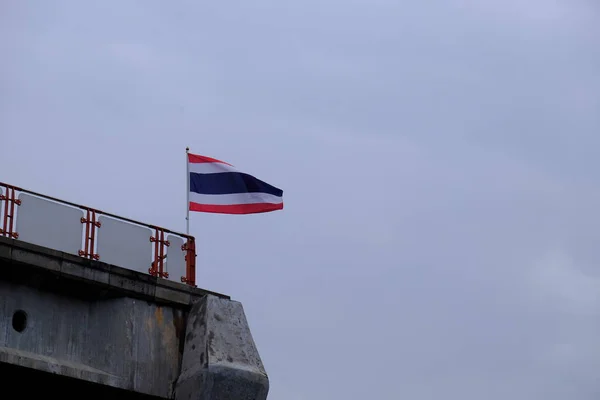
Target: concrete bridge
[[73, 326]]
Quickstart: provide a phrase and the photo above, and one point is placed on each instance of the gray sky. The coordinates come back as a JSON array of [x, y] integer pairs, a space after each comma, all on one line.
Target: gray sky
[[436, 157]]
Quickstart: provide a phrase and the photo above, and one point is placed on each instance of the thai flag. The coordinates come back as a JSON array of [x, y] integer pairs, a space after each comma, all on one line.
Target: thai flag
[[217, 187]]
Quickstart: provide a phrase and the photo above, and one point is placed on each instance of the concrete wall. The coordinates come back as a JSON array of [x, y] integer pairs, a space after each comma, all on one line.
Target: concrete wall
[[122, 342], [104, 324]]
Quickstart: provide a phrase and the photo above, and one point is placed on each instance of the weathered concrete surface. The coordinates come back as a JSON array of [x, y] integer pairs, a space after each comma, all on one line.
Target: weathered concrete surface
[[109, 277], [117, 328], [220, 359], [124, 342]]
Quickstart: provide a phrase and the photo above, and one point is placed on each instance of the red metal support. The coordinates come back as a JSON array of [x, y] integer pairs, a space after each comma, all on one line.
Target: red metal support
[[90, 235], [157, 267], [8, 226], [190, 262]]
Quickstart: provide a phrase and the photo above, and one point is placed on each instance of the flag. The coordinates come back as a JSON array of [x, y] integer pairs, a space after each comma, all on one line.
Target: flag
[[218, 187]]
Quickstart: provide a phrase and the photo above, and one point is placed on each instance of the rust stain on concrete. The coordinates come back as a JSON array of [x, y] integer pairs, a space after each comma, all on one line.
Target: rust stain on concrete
[[159, 315]]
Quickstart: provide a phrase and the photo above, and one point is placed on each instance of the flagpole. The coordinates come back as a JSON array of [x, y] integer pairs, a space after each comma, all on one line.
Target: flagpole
[[187, 193]]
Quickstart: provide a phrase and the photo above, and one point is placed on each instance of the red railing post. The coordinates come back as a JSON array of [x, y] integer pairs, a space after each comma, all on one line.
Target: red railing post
[[90, 234], [10, 200], [190, 262], [157, 267]]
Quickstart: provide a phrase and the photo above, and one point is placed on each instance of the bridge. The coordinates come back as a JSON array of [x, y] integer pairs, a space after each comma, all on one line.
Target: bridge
[[96, 304]]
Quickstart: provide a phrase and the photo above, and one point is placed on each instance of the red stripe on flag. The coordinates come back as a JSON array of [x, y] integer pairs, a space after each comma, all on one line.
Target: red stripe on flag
[[197, 159], [253, 208]]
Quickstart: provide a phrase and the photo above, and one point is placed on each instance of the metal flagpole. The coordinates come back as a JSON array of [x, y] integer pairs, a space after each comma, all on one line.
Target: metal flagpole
[[187, 193]]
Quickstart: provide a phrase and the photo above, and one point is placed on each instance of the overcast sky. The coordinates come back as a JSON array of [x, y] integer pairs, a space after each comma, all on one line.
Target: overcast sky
[[441, 224]]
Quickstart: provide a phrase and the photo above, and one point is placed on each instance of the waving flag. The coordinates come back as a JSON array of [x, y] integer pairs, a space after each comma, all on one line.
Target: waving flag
[[215, 186]]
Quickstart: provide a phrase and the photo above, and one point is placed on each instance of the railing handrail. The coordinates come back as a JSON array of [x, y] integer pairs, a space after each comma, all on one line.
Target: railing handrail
[[91, 224], [95, 210]]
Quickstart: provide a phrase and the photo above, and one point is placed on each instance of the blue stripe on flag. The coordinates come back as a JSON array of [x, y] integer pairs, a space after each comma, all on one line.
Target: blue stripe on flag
[[229, 183]]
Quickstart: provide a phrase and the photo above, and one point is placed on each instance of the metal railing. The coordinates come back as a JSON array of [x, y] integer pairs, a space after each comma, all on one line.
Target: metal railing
[[44, 232]]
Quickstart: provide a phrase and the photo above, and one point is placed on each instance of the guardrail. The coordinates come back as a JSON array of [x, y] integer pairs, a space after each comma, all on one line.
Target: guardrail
[[98, 235]]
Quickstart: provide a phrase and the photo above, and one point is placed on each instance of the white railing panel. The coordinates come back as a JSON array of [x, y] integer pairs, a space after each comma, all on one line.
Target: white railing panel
[[124, 244], [175, 262], [49, 224]]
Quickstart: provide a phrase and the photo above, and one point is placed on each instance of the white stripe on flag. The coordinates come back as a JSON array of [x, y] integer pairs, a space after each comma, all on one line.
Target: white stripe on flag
[[211, 168], [235, 198]]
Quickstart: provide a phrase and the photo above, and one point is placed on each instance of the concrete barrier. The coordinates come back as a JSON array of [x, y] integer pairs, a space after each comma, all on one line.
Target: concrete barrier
[[220, 359]]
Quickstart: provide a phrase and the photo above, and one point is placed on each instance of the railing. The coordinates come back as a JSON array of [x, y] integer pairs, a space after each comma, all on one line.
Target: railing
[[94, 234]]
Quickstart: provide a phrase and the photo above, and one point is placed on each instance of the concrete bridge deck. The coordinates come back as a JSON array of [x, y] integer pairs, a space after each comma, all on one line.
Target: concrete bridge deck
[[76, 326]]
